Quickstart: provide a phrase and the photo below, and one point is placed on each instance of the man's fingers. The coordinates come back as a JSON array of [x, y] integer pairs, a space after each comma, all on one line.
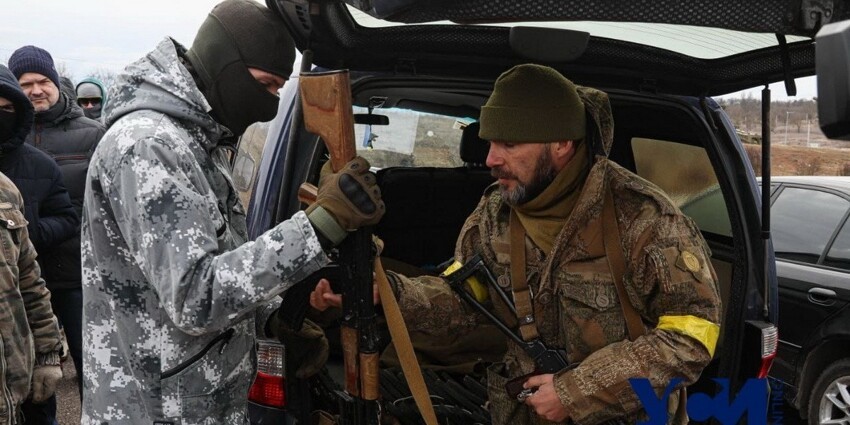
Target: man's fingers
[[315, 301], [324, 286], [323, 296], [317, 297], [332, 300]]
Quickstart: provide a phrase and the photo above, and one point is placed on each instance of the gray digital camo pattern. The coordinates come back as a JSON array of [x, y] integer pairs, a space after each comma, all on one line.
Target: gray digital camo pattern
[[576, 306], [28, 329], [174, 297]]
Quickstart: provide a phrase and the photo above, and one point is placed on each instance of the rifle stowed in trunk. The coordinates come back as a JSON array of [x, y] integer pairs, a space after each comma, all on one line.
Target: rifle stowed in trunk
[[326, 102]]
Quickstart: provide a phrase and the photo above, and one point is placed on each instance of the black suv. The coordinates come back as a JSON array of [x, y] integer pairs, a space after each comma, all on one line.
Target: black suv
[[429, 66]]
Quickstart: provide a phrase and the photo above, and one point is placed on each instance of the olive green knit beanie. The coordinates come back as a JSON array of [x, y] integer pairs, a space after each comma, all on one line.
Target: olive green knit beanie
[[533, 103]]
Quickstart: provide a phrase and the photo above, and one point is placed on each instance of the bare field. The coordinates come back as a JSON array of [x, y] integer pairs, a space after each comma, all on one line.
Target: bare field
[[790, 160]]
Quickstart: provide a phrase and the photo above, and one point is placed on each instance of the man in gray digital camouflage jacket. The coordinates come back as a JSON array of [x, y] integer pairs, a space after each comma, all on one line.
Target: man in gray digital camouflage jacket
[[174, 295]]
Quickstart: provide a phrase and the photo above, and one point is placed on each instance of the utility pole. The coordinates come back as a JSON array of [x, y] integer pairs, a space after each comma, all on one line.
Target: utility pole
[[808, 130], [786, 126]]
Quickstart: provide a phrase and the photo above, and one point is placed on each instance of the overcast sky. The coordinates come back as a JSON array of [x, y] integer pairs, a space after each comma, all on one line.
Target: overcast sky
[[89, 35], [806, 89]]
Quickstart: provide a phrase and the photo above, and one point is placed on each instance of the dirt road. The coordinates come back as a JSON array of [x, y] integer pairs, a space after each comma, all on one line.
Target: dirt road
[[67, 396]]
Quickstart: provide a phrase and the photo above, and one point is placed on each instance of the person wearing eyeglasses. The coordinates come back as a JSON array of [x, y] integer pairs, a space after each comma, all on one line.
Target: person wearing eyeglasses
[[62, 131], [91, 96]]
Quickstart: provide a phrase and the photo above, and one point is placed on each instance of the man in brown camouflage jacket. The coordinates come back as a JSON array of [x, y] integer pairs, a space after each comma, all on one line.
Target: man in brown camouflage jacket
[[548, 176]]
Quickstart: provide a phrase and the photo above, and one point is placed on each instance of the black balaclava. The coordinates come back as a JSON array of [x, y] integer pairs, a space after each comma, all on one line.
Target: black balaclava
[[236, 35], [14, 126], [8, 125]]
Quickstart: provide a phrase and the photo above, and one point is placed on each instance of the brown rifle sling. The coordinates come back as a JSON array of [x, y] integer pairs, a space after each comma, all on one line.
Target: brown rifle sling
[[519, 284], [403, 346], [617, 265]]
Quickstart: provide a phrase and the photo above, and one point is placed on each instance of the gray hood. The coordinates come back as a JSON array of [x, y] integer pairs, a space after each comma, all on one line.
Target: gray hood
[[159, 82]]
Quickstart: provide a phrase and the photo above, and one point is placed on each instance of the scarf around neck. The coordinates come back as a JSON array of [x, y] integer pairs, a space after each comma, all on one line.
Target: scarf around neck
[[544, 216]]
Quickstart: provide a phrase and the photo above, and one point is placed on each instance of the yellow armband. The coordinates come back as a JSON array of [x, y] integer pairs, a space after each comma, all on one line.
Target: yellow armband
[[473, 285], [699, 329]]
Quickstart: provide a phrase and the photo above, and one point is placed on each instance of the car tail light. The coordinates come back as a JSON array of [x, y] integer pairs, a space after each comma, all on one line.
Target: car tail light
[[769, 345], [761, 340], [269, 388]]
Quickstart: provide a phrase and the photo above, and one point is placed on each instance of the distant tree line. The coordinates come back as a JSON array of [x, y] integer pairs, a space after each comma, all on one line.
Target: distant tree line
[[798, 115]]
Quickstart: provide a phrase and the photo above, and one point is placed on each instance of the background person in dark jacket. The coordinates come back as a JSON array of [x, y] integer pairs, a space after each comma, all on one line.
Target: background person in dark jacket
[[63, 132], [27, 323], [47, 205]]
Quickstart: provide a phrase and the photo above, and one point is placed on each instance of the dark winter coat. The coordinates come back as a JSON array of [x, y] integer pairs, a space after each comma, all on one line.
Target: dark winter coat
[[64, 133], [47, 206]]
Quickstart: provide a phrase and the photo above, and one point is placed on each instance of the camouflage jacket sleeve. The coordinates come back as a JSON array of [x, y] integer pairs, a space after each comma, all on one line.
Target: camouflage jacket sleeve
[[437, 308], [261, 320], [36, 297], [172, 224], [666, 286]]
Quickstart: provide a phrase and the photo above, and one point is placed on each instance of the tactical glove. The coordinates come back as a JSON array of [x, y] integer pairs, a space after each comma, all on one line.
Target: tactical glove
[[44, 380], [347, 200], [306, 349]]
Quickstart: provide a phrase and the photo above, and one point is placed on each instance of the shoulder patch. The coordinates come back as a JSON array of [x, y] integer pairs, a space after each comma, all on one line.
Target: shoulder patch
[[690, 261]]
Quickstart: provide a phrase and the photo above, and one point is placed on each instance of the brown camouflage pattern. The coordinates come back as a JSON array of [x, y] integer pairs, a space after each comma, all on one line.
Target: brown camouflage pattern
[[29, 331], [575, 299]]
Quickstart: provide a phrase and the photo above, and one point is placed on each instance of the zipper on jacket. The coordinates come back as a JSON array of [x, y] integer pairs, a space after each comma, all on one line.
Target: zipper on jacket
[[10, 409], [58, 158], [37, 135], [225, 337]]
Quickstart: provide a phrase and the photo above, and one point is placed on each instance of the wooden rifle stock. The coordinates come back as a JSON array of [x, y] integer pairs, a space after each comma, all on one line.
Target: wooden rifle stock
[[326, 104]]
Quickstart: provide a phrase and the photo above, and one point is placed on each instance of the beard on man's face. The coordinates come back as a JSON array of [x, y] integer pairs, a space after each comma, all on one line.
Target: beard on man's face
[[40, 102], [544, 175]]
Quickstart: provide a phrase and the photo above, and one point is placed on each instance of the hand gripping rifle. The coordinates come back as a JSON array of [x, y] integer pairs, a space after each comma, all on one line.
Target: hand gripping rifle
[[546, 360], [326, 102]]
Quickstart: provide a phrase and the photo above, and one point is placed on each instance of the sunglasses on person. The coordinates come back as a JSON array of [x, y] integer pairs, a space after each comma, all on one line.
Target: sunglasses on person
[[93, 101]]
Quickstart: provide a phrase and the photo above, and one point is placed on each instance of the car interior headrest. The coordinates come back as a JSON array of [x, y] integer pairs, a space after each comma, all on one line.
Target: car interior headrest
[[473, 149]]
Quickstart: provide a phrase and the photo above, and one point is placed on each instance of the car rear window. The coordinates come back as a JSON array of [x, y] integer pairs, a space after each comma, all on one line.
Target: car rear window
[[839, 254], [412, 139], [804, 221]]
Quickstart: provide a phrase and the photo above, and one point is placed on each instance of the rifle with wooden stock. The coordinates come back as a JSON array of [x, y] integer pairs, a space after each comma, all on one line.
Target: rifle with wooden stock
[[326, 104]]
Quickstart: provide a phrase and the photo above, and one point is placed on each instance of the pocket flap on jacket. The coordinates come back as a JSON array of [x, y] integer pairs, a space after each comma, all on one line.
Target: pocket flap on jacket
[[11, 218]]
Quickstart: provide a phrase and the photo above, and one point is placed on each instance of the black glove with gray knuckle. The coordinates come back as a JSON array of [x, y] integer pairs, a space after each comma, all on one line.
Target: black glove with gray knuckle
[[346, 200]]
